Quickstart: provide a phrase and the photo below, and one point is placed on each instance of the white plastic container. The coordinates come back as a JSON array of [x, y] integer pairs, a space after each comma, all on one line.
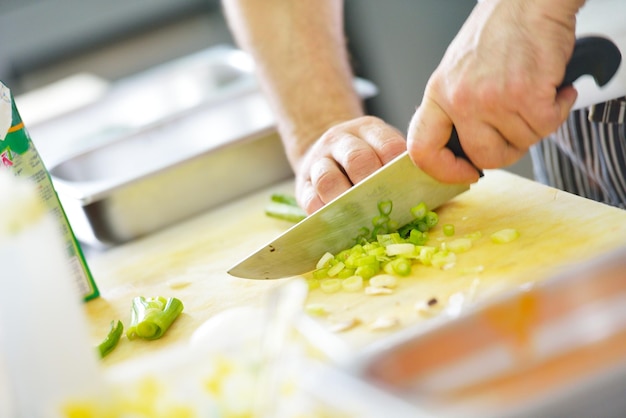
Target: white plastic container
[[45, 355]]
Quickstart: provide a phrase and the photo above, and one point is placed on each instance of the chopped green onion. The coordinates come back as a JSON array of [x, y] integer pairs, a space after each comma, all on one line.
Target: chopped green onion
[[460, 245], [476, 235], [384, 280], [284, 199], [334, 270], [418, 237], [352, 284], [367, 271], [330, 285], [387, 239], [319, 274], [316, 309], [366, 260], [112, 338], [376, 250], [345, 273], [384, 207], [285, 212], [363, 235], [419, 211], [392, 225], [284, 207], [389, 249], [431, 219], [151, 317], [380, 220], [324, 260], [422, 226], [426, 255], [400, 249], [504, 236], [313, 283], [448, 230], [401, 266], [374, 291], [443, 259]]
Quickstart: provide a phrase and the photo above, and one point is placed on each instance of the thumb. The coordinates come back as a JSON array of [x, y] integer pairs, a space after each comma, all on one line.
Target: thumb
[[428, 134], [565, 100]]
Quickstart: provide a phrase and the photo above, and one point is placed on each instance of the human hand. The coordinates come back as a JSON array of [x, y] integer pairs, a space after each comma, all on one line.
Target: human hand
[[497, 83], [343, 156]]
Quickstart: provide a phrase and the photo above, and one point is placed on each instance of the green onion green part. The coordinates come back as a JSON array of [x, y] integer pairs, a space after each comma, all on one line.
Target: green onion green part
[[285, 212], [284, 207], [284, 199], [504, 236], [112, 338], [330, 285], [352, 284], [386, 248], [388, 251], [448, 230], [150, 318], [385, 207]]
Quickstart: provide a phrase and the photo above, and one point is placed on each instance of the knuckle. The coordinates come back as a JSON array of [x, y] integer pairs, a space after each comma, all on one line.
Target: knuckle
[[359, 163], [370, 120], [391, 148], [325, 185], [517, 87], [490, 97]]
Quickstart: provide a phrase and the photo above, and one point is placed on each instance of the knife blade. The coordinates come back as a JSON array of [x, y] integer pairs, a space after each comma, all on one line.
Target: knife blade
[[335, 226]]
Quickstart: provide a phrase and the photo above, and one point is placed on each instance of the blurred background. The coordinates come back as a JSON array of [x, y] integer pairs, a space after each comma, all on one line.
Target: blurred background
[[394, 44]]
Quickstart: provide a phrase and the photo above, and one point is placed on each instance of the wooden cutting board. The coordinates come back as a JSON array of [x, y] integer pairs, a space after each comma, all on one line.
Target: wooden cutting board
[[190, 260]]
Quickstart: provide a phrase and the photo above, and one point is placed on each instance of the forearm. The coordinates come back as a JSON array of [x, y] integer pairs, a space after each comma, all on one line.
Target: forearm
[[302, 64]]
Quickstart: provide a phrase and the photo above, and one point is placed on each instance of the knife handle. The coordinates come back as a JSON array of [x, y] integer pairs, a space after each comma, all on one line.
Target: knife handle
[[593, 55], [454, 145]]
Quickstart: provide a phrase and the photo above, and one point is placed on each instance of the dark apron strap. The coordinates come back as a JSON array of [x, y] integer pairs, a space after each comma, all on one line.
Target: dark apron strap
[[613, 111]]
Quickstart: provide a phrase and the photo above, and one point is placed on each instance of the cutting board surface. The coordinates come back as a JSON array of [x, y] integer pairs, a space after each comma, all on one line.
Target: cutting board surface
[[190, 260]]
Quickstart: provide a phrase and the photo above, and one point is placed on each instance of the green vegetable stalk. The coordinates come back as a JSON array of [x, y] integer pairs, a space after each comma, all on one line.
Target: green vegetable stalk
[[151, 317], [284, 207], [111, 340]]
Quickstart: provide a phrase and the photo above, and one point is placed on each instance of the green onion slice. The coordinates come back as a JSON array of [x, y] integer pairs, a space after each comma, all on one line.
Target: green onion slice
[[151, 317]]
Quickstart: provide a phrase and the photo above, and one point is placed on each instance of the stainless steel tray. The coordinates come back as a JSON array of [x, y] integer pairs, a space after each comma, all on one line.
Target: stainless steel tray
[[555, 349], [163, 174], [164, 145]]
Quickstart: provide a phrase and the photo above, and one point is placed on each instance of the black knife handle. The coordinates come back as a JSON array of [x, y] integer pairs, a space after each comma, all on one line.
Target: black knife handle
[[593, 55], [454, 145]]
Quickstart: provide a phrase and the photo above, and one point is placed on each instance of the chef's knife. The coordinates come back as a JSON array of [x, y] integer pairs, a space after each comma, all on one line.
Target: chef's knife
[[335, 226]]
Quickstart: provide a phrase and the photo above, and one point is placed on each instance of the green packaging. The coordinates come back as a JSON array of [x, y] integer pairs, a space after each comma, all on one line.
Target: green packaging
[[19, 155]]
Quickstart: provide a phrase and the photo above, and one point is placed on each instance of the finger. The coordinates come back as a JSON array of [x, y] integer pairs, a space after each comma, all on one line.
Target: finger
[[429, 132], [357, 158], [307, 196], [565, 100], [498, 143], [545, 119], [386, 140], [489, 148], [328, 180]]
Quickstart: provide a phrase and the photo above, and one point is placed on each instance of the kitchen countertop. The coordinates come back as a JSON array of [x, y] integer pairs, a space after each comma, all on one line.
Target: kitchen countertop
[[190, 261]]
